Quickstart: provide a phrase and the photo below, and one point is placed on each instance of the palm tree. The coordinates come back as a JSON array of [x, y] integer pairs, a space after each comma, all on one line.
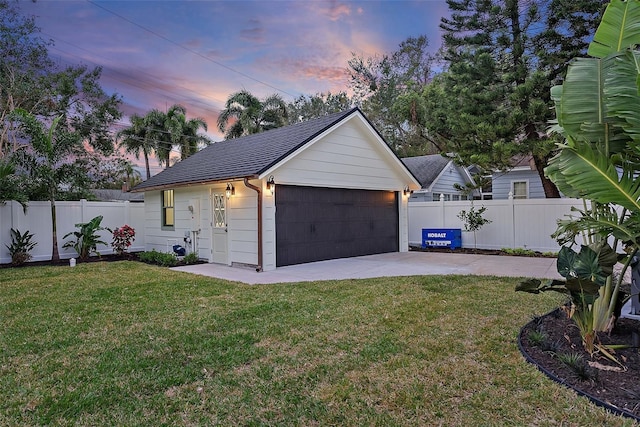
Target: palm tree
[[136, 140], [46, 161], [250, 115], [157, 124], [189, 139]]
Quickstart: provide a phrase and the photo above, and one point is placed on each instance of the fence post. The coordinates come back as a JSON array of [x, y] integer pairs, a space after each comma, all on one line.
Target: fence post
[[513, 220], [442, 213], [127, 212], [83, 210]]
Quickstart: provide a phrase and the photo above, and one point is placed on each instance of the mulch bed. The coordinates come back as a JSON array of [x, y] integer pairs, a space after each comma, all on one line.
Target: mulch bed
[[614, 386], [478, 252]]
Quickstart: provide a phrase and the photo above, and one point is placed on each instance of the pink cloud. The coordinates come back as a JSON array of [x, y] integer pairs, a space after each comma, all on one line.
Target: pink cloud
[[337, 10]]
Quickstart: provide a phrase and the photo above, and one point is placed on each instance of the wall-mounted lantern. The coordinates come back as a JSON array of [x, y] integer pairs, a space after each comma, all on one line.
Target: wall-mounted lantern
[[271, 185], [230, 191]]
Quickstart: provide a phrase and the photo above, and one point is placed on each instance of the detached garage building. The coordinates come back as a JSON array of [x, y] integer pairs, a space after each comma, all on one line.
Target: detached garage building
[[321, 189]]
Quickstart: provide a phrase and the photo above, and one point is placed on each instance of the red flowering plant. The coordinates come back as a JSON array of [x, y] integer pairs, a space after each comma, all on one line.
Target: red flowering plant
[[123, 237]]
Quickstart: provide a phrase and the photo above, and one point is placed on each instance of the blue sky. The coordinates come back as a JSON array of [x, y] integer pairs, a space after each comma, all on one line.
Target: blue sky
[[158, 53]]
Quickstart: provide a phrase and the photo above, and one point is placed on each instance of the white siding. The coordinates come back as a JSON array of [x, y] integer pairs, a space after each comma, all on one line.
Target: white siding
[[242, 222], [347, 157], [163, 240], [242, 218]]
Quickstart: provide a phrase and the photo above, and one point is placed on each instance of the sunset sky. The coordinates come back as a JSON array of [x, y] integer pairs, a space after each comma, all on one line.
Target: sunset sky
[[196, 53]]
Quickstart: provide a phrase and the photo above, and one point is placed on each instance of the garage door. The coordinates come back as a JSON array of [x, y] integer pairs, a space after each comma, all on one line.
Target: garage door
[[315, 224]]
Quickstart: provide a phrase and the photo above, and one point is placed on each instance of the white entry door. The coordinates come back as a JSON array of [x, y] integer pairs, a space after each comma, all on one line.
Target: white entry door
[[219, 233]]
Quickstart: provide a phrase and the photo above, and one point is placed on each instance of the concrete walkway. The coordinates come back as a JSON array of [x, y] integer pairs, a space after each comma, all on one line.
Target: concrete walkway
[[385, 265]]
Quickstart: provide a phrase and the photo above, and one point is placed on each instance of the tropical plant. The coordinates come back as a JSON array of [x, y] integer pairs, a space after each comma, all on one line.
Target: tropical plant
[[47, 163], [86, 239], [598, 110], [21, 246], [473, 220], [245, 114], [12, 185], [123, 237], [135, 140], [585, 272]]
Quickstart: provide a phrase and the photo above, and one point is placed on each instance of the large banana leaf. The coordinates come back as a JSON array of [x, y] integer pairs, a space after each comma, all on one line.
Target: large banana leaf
[[580, 169], [621, 92], [582, 107], [618, 30]]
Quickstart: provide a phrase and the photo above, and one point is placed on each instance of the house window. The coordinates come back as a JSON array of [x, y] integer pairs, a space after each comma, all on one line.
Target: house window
[[168, 219], [520, 189]]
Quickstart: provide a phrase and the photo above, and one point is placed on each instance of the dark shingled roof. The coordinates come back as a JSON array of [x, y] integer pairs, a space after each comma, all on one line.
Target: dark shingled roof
[[426, 168], [243, 157]]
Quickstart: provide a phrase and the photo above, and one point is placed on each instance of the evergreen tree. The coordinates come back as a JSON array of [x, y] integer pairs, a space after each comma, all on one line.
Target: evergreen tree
[[493, 103]]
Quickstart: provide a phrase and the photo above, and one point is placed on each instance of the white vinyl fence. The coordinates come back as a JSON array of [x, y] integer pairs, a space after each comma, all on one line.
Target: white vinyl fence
[[37, 221], [516, 223]]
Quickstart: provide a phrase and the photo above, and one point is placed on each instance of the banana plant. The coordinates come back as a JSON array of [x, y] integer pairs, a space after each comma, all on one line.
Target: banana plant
[[598, 113]]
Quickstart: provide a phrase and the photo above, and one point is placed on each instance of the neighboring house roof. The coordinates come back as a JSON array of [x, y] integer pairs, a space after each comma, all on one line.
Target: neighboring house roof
[[426, 168], [522, 161], [244, 157], [117, 195]]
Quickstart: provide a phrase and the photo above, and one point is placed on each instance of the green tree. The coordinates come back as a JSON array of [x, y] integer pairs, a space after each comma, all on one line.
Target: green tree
[[389, 89], [136, 140], [23, 77], [47, 163], [184, 133], [31, 81], [307, 107], [12, 185], [245, 114], [493, 101], [162, 132]]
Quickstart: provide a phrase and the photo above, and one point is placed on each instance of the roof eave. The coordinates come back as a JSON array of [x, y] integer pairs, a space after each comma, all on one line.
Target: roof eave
[[191, 184]]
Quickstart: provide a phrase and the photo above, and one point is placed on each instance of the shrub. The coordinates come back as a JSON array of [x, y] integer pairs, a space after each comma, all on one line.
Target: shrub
[[191, 258], [123, 237], [20, 247], [159, 258]]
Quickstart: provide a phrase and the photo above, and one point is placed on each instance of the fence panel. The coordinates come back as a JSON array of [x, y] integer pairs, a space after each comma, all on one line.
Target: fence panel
[[37, 220], [526, 224]]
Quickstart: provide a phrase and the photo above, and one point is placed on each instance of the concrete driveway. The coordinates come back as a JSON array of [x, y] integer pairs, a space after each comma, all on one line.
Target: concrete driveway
[[385, 265]]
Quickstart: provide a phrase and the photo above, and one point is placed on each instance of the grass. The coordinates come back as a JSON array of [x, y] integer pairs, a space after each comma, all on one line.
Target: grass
[[132, 344]]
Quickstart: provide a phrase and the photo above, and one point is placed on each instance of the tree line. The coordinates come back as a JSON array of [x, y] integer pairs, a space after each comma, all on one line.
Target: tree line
[[484, 95]]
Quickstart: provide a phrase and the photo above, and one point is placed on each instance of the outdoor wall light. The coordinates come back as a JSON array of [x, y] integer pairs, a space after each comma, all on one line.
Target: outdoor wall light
[[406, 191], [230, 190], [271, 185]]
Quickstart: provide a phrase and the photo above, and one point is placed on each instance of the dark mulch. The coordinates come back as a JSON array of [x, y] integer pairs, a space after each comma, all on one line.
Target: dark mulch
[[600, 378], [102, 258], [95, 258]]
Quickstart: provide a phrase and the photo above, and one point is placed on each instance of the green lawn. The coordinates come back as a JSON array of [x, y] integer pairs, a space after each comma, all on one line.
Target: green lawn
[[131, 344]]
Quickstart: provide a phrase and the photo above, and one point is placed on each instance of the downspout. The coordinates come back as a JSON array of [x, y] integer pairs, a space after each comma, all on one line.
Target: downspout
[[259, 191]]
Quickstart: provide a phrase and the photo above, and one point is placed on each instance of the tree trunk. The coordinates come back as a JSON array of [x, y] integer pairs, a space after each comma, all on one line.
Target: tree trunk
[[55, 255], [550, 189], [146, 163]]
